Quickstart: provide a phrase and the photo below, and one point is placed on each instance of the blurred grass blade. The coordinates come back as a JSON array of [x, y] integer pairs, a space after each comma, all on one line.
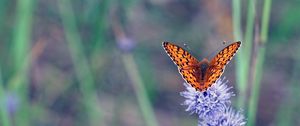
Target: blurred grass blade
[[236, 10], [81, 66], [243, 57], [96, 14], [255, 91], [249, 32], [140, 90], [126, 45], [15, 85], [241, 78], [20, 50], [248, 43], [22, 32], [4, 115], [265, 21], [258, 72]]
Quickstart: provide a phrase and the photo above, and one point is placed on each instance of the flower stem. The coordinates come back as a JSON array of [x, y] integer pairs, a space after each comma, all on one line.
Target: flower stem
[[81, 65], [140, 90], [4, 115], [260, 58], [20, 51]]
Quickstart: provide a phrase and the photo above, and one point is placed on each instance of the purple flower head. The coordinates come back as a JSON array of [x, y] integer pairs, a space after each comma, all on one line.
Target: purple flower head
[[206, 103], [11, 102], [125, 43], [213, 105], [229, 117]]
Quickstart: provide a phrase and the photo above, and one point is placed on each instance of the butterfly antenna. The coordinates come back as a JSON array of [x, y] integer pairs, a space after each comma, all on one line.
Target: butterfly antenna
[[186, 46], [189, 49], [212, 54]]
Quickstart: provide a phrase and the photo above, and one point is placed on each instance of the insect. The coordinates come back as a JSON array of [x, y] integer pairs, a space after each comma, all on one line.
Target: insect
[[200, 74]]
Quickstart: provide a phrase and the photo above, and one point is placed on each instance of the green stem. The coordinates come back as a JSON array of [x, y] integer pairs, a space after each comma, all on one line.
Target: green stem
[[241, 78], [255, 91], [4, 115], [254, 98], [20, 50], [265, 21], [237, 32], [81, 65], [140, 90]]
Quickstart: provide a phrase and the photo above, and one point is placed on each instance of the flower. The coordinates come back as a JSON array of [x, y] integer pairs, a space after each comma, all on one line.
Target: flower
[[229, 117], [125, 44], [205, 103], [11, 101], [212, 106]]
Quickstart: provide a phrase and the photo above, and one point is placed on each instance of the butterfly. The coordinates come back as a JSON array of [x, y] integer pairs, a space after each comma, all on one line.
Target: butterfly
[[200, 74]]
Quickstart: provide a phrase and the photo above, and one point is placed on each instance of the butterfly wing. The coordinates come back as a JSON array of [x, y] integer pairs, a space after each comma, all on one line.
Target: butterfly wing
[[218, 63], [185, 62]]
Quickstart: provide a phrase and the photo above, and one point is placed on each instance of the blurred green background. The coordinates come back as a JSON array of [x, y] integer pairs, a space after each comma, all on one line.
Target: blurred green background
[[100, 62]]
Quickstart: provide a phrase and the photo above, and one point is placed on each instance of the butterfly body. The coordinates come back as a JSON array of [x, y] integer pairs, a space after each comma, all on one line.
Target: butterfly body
[[200, 74], [203, 66]]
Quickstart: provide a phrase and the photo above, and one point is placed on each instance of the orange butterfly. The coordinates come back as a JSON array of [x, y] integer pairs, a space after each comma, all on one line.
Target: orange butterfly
[[200, 75]]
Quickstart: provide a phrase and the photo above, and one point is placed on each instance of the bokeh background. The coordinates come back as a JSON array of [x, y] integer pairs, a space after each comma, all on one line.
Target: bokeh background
[[101, 63]]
